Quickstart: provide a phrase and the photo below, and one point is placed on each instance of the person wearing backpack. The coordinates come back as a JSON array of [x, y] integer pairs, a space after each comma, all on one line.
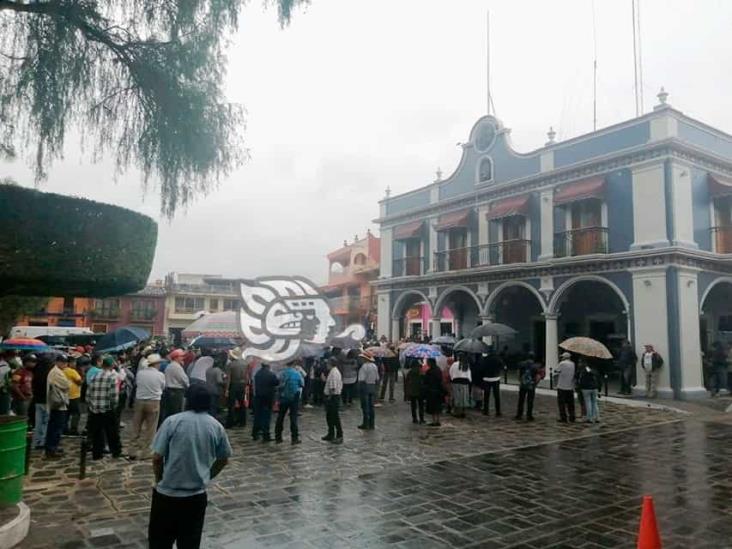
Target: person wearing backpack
[[291, 385], [530, 373]]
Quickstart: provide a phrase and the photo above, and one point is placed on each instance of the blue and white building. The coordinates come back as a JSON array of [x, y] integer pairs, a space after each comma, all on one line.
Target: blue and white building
[[623, 232]]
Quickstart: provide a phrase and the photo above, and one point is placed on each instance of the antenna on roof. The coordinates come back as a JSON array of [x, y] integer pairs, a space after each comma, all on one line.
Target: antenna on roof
[[637, 66], [491, 108], [594, 70]]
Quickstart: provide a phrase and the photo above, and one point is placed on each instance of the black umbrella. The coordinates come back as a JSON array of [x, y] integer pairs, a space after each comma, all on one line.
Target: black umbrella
[[444, 340], [121, 339], [495, 329], [470, 345]]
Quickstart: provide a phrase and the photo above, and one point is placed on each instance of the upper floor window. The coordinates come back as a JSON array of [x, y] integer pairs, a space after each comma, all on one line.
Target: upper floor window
[[360, 259], [231, 304], [213, 305], [188, 304], [485, 170], [336, 267]]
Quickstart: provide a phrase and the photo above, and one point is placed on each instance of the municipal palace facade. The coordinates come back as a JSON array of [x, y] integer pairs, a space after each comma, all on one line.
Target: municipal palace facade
[[623, 232]]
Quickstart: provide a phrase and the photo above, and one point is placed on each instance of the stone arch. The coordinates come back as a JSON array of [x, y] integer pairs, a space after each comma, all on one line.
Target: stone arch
[[440, 303], [716, 282], [512, 283], [559, 292], [399, 303]]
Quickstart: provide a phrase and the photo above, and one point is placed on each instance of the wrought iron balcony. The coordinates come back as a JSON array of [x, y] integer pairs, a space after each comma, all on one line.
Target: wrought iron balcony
[[105, 313], [409, 266], [143, 315], [722, 238], [585, 241], [497, 253]]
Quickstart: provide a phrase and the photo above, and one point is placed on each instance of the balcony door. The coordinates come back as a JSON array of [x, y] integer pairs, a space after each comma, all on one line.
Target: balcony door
[[723, 218], [586, 215], [413, 261], [514, 239], [457, 240]]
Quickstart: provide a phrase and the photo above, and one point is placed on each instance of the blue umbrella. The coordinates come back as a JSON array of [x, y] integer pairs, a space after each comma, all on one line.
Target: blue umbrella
[[121, 339], [423, 351]]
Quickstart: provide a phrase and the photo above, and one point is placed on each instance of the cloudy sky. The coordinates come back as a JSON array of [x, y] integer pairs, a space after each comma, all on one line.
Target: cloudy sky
[[358, 95]]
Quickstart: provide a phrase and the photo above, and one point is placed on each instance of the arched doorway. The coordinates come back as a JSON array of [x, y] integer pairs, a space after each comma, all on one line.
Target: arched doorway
[[593, 307], [521, 307], [410, 315], [715, 321], [465, 307]]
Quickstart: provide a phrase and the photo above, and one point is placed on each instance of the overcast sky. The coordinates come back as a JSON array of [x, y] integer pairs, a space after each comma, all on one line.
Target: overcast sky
[[358, 95]]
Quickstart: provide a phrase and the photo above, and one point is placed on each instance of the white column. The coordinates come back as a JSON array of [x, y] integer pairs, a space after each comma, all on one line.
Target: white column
[[435, 327], [482, 226], [386, 253], [649, 207], [692, 381], [681, 206], [395, 325], [546, 212], [650, 323], [429, 253], [383, 309], [552, 343]]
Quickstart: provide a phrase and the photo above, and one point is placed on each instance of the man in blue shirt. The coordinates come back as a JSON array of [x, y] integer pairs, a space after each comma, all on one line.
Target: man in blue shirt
[[291, 384], [189, 450]]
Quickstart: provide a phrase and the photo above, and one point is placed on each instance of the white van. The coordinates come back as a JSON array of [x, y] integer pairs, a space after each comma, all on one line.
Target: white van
[[37, 331]]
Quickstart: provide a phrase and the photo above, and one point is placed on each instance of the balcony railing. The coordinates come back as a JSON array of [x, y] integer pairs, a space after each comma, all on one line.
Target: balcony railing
[[105, 313], [498, 253], [409, 266], [352, 305], [722, 237], [144, 315], [585, 241]]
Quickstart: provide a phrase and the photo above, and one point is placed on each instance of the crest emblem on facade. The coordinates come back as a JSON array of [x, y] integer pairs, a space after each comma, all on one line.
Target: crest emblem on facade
[[279, 315]]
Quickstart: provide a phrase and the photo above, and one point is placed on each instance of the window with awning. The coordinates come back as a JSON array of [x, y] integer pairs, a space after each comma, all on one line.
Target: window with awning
[[408, 230], [719, 185], [516, 205], [593, 187], [453, 220]]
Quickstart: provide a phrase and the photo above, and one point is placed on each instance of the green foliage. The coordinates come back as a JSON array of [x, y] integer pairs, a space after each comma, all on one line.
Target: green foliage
[[13, 307], [138, 78], [59, 245]]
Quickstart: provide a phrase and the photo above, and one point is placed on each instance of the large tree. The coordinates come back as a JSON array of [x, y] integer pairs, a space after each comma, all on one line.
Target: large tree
[[141, 79]]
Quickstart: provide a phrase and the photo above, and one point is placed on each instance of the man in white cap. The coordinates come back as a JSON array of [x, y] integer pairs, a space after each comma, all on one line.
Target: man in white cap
[[565, 388], [150, 385], [368, 380]]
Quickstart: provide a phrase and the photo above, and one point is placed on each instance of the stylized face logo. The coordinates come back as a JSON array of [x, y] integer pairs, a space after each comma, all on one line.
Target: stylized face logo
[[278, 314]]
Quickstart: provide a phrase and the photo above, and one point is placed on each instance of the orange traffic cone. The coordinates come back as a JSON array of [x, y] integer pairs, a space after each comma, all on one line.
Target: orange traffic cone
[[648, 536]]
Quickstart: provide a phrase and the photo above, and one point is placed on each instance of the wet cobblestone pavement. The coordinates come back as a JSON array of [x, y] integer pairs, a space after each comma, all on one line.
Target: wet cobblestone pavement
[[476, 482]]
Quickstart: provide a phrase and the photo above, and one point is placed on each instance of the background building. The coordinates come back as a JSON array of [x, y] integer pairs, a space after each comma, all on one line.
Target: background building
[[144, 309], [352, 267], [60, 311], [623, 232], [188, 295]]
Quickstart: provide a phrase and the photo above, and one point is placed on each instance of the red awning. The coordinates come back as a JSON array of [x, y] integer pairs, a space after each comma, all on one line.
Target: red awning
[[516, 205], [453, 220], [719, 185], [594, 187], [408, 230]]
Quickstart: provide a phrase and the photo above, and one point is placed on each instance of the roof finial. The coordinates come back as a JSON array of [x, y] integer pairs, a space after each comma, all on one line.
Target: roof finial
[[662, 97], [387, 192], [551, 134], [355, 238], [438, 173]]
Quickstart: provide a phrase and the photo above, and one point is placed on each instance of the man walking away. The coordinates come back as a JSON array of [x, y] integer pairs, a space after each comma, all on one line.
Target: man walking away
[[101, 402], [57, 403], [189, 450], [530, 374], [493, 368], [291, 386], [391, 373], [332, 394], [368, 379], [150, 384], [565, 388], [176, 383], [627, 360], [21, 386], [236, 414], [265, 383], [216, 384], [651, 363]]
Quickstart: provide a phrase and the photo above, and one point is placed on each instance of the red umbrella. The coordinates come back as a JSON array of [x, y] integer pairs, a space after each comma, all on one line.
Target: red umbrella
[[23, 344]]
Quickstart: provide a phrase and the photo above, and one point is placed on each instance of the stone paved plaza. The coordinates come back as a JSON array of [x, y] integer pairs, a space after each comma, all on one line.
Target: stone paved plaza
[[478, 482]]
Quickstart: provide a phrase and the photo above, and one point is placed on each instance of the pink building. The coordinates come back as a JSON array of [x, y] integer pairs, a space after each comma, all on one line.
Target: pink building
[[144, 309], [417, 321]]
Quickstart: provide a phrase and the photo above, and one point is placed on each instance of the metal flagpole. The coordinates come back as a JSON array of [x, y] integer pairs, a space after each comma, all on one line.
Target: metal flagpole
[[488, 59]]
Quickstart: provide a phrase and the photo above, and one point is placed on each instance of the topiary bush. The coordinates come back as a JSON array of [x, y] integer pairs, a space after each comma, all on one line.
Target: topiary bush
[[52, 244]]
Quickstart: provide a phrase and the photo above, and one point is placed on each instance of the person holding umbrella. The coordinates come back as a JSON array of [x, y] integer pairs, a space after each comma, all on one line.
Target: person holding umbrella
[[434, 391]]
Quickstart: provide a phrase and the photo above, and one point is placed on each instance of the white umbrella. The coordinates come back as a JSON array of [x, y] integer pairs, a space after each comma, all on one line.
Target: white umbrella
[[223, 324]]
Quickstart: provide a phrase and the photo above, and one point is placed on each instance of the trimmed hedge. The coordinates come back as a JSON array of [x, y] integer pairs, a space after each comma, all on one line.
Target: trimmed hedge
[[52, 244]]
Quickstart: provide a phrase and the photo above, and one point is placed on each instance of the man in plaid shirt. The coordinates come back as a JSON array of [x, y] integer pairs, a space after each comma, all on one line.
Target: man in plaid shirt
[[101, 401]]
